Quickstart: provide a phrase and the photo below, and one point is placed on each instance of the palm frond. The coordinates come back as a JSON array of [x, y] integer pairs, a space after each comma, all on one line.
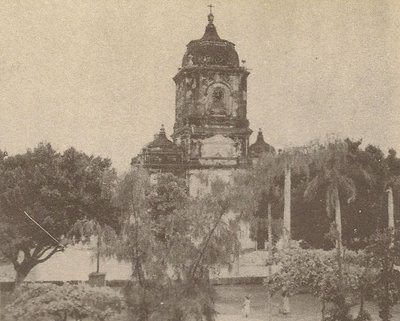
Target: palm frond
[[313, 187], [347, 185], [330, 200]]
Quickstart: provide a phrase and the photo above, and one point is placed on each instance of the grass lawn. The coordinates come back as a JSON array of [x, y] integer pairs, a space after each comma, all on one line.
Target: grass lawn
[[304, 307]]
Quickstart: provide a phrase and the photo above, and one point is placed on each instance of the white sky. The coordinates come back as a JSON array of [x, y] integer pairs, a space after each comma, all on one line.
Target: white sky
[[97, 74]]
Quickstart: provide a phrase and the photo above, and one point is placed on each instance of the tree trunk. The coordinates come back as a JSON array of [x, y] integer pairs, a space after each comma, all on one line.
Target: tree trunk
[[338, 219], [38, 256], [237, 254], [98, 254], [237, 265], [21, 273], [285, 309], [286, 209], [270, 261], [361, 312], [390, 208], [339, 244], [323, 309]]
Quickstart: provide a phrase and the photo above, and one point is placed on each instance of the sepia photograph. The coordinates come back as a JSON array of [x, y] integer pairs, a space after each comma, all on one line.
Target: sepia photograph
[[172, 160]]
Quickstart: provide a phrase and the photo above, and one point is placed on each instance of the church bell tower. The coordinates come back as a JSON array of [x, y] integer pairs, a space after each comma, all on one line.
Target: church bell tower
[[211, 125], [211, 130]]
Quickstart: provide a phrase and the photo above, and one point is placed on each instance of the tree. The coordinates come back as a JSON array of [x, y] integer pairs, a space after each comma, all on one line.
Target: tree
[[392, 181], [372, 199], [297, 159], [292, 159], [257, 187], [383, 253], [87, 228], [260, 188], [55, 190], [363, 214], [254, 188], [287, 204], [331, 163], [102, 230], [172, 242]]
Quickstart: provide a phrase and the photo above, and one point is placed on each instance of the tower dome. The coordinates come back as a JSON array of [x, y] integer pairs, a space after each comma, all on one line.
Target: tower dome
[[160, 155], [260, 146], [210, 49]]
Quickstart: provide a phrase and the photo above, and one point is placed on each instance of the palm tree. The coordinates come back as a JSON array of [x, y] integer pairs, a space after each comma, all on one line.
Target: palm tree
[[390, 208], [331, 163], [294, 159], [287, 204], [297, 159], [392, 182]]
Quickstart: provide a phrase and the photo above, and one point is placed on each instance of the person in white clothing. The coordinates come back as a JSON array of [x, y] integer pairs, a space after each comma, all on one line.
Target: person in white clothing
[[246, 306]]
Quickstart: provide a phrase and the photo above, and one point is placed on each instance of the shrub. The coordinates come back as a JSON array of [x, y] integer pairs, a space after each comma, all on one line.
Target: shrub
[[317, 272], [42, 302]]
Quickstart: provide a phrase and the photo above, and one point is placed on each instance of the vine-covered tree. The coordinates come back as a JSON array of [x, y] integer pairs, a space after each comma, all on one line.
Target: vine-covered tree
[[55, 190]]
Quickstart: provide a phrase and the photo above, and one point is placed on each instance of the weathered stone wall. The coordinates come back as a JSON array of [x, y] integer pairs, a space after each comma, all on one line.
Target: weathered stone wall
[[215, 82], [205, 92]]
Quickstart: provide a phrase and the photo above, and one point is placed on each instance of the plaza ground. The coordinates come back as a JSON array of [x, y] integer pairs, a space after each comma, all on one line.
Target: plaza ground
[[304, 307], [230, 299]]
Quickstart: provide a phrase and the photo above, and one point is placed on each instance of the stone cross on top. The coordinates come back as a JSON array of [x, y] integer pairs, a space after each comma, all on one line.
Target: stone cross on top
[[210, 15]]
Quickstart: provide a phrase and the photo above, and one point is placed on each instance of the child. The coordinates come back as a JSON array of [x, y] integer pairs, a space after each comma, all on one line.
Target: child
[[246, 306]]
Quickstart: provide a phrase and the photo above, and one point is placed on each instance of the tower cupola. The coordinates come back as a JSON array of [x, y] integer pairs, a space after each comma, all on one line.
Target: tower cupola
[[210, 49], [260, 146]]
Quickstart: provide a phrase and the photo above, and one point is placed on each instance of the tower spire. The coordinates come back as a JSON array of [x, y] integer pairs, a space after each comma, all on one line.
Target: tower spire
[[162, 130], [210, 15], [211, 32]]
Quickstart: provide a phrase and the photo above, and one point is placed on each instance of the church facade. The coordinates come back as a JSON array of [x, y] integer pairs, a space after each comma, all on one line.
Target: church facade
[[211, 131]]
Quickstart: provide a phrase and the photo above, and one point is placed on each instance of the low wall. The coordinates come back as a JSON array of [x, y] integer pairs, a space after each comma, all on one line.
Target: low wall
[[9, 286]]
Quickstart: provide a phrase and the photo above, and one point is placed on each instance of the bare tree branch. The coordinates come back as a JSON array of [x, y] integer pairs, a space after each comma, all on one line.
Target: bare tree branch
[[55, 250], [198, 261], [44, 250]]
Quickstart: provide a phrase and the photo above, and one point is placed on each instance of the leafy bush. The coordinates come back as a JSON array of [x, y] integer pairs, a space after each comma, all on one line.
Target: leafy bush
[[317, 272], [383, 254], [42, 302], [171, 301]]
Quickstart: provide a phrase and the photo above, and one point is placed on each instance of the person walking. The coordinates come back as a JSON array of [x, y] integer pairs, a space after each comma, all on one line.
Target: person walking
[[246, 306]]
